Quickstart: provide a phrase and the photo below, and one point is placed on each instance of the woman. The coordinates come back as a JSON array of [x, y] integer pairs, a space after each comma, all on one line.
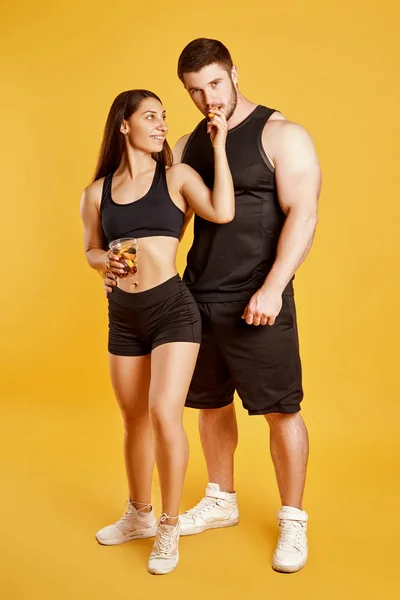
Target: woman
[[154, 323]]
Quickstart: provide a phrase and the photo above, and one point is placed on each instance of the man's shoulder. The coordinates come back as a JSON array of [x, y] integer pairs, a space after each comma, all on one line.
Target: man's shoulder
[[279, 130], [180, 147], [280, 136], [281, 125], [276, 116], [275, 125], [181, 144], [287, 141]]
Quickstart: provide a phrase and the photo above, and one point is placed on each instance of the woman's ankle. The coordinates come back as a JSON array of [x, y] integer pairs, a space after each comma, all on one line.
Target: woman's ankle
[[167, 519], [142, 507]]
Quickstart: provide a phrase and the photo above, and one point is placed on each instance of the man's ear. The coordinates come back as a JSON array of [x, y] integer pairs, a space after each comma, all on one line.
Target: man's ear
[[234, 74]]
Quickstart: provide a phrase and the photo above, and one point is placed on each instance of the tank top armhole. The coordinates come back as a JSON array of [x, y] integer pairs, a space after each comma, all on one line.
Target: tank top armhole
[[264, 155]]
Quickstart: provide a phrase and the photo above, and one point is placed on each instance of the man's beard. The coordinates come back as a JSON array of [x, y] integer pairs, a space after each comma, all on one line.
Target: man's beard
[[230, 106], [230, 109]]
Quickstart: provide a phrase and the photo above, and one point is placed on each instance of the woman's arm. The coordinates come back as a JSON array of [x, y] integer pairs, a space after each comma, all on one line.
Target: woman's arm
[[217, 205], [97, 257]]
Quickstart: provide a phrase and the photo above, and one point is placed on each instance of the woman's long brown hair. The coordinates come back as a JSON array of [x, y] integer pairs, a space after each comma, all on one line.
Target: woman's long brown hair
[[113, 144]]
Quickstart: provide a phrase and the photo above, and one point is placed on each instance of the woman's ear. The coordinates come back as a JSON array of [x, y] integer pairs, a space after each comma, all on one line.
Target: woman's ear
[[124, 127]]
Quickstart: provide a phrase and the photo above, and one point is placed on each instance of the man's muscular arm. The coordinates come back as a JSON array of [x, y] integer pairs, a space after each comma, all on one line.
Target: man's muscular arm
[[298, 179]]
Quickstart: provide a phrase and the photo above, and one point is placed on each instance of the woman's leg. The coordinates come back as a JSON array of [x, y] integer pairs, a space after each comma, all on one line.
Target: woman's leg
[[172, 367], [130, 376]]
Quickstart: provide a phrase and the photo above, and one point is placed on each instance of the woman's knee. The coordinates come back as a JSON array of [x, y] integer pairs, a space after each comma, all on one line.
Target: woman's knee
[[135, 418], [165, 418]]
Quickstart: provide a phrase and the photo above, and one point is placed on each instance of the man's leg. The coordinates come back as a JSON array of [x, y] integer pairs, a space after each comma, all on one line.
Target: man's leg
[[218, 508], [211, 391], [266, 370], [289, 451], [219, 438]]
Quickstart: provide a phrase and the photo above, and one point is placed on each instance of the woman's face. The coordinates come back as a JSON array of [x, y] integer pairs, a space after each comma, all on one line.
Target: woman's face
[[146, 129]]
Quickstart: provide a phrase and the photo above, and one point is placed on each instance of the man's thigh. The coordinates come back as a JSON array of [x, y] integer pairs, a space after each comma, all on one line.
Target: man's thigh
[[264, 361], [212, 385]]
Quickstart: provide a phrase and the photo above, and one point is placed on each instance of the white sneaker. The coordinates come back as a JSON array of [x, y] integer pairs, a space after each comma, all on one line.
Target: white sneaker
[[133, 525], [164, 557], [291, 552], [217, 509]]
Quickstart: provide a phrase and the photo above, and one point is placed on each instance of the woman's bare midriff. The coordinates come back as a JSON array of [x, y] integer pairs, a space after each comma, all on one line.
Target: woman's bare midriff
[[155, 264]]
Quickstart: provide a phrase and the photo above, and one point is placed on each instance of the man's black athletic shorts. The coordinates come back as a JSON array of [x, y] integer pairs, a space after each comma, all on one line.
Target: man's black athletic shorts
[[262, 363]]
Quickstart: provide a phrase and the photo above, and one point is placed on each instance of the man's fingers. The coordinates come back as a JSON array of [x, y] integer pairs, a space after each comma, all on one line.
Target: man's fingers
[[257, 319], [249, 318]]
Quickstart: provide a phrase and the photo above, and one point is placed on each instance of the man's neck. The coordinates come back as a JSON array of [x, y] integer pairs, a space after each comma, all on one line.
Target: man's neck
[[243, 108]]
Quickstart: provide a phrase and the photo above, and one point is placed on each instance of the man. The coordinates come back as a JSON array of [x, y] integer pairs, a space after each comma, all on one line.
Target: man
[[241, 277]]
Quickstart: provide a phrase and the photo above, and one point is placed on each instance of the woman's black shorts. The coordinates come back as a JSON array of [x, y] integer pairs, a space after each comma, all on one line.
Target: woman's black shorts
[[139, 322]]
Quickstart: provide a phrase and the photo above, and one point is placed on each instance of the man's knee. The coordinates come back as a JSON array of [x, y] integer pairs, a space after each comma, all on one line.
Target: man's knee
[[282, 419], [217, 414]]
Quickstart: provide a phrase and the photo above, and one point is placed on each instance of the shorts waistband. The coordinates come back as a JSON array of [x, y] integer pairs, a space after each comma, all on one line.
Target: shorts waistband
[[146, 298]]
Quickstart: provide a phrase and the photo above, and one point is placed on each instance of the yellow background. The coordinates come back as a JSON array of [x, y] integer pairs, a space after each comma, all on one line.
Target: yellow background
[[334, 68]]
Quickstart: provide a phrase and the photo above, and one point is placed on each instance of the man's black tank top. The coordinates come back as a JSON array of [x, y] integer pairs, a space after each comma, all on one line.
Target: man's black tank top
[[153, 214], [231, 261]]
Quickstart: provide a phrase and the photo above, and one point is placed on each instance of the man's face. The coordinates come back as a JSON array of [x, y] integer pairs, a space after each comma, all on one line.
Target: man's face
[[213, 87]]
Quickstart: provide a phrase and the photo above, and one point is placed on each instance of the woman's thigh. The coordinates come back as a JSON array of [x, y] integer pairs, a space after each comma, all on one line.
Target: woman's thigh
[[172, 367], [130, 378]]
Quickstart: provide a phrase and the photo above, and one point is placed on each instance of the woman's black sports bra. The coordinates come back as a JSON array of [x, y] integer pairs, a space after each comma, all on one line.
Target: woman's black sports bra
[[153, 214]]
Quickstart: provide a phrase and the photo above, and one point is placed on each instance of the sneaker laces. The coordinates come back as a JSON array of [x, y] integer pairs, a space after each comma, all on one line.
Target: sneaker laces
[[291, 533], [205, 504], [126, 518], [164, 538]]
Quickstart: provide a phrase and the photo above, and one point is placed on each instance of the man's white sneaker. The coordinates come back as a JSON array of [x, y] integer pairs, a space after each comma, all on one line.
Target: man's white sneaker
[[165, 555], [132, 525], [216, 509], [291, 552]]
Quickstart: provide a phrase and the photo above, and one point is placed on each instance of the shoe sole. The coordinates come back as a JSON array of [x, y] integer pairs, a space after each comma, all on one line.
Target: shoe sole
[[141, 536], [161, 572], [286, 569], [201, 528]]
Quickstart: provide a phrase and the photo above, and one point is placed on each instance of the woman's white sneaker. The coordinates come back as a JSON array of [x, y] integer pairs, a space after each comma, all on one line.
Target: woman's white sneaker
[[165, 555], [132, 525], [291, 552], [216, 509]]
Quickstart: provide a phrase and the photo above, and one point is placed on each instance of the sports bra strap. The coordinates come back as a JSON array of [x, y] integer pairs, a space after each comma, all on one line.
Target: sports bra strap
[[106, 193]]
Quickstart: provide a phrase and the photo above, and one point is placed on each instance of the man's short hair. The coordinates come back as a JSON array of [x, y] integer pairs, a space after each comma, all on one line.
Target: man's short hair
[[203, 52]]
